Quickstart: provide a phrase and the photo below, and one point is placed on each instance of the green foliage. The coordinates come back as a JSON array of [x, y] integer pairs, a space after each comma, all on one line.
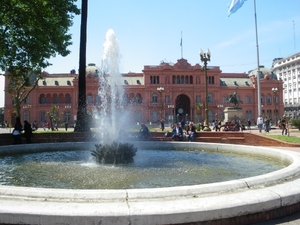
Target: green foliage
[[289, 139], [31, 33], [53, 115], [114, 153], [296, 123], [198, 110]]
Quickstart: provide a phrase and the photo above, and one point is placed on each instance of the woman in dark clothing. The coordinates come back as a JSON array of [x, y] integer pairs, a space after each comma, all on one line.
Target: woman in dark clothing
[[17, 131], [27, 131]]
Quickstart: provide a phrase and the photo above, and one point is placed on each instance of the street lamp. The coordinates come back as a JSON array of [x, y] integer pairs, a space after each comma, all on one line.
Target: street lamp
[[205, 57], [275, 98], [171, 107], [220, 107], [68, 113], [27, 112], [161, 90]]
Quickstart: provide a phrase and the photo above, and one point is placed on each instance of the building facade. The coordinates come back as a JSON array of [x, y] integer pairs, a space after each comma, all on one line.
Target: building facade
[[166, 91], [288, 69]]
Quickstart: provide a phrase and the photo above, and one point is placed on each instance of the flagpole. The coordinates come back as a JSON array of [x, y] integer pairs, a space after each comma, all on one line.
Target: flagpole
[[258, 68], [181, 46]]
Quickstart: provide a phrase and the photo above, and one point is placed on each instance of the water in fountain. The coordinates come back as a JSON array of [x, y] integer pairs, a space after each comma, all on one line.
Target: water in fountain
[[111, 114]]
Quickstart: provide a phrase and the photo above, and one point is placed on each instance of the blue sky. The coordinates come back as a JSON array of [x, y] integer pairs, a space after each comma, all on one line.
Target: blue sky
[[149, 31]]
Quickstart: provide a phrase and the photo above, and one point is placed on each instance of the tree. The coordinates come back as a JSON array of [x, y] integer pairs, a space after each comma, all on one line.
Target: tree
[[53, 114], [31, 33], [198, 110], [82, 123], [296, 123]]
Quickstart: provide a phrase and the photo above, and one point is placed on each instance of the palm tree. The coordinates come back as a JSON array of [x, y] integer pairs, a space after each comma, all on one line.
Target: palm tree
[[198, 108]]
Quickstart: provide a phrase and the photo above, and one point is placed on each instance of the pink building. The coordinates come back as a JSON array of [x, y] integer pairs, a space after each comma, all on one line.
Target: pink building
[[166, 91]]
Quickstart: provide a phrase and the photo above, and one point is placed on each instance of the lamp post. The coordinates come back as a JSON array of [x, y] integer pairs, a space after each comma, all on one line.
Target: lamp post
[[275, 98], [27, 112], [68, 113], [171, 107], [205, 57], [220, 107], [161, 90]]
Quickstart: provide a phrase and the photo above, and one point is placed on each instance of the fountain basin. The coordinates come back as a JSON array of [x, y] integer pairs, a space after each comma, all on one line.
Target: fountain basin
[[175, 205]]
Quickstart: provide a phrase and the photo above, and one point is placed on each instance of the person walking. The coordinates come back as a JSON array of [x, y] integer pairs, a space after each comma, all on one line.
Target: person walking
[[267, 124], [260, 122], [27, 132], [284, 125], [162, 124], [17, 132], [66, 125]]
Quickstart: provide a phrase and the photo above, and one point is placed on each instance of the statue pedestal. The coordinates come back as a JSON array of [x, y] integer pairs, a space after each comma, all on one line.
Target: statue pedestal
[[231, 113]]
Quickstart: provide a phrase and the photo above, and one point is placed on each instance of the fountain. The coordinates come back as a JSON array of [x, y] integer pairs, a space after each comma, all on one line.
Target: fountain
[[246, 199], [237, 201]]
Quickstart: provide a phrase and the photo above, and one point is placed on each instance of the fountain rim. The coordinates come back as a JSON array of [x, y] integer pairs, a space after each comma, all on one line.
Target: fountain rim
[[175, 205], [79, 195]]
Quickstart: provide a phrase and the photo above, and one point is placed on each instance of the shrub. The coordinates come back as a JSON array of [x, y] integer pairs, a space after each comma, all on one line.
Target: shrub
[[114, 153], [296, 123]]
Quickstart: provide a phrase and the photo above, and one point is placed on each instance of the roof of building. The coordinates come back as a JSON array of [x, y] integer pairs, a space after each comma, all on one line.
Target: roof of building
[[93, 69], [240, 82], [56, 81], [133, 80], [263, 71]]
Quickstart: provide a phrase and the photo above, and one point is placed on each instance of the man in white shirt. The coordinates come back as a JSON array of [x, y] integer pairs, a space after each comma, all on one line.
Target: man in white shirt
[[260, 122]]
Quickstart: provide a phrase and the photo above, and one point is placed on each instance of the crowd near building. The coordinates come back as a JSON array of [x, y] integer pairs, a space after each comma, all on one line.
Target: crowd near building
[[170, 91]]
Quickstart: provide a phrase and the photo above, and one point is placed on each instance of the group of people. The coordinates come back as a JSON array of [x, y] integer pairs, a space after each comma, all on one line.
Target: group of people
[[177, 132], [18, 129], [266, 124]]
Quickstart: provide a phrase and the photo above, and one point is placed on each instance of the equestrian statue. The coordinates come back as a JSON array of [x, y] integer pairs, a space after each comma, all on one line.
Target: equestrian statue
[[233, 99]]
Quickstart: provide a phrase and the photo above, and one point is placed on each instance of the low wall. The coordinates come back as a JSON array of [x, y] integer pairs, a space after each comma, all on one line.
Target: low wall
[[210, 137]]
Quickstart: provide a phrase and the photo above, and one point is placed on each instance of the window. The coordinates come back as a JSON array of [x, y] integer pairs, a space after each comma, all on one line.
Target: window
[[67, 116], [26, 115], [198, 99], [210, 98], [249, 115], [167, 99], [248, 99], [138, 98], [154, 98], [211, 80], [68, 99], [42, 116], [154, 79], [89, 99], [98, 99], [27, 100], [262, 99], [55, 99], [269, 102], [43, 99], [125, 99], [225, 99]]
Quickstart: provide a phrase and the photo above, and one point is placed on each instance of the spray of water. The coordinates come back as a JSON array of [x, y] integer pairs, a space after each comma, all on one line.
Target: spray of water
[[111, 114]]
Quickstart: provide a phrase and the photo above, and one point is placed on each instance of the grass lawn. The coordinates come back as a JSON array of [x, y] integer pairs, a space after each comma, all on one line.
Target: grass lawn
[[289, 139]]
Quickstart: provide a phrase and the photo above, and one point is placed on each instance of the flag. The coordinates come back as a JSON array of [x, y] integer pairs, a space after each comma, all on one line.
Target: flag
[[235, 5]]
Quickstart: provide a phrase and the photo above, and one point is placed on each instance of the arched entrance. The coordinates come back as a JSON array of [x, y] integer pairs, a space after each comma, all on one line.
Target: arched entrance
[[182, 108]]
